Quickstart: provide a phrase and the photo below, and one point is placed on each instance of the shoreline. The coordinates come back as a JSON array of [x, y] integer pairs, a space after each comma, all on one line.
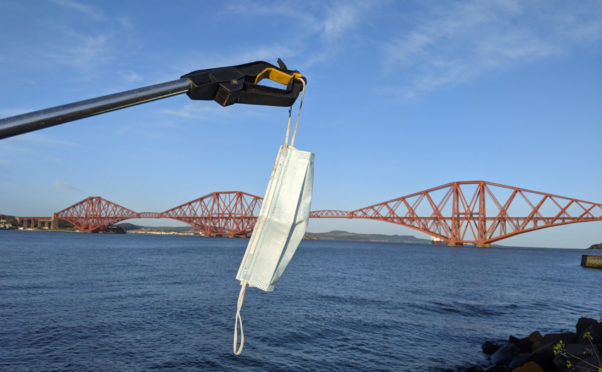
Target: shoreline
[[353, 237], [566, 351]]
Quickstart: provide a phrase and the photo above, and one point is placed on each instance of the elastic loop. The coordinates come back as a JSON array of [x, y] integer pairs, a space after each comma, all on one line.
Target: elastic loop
[[298, 112], [238, 321], [288, 126]]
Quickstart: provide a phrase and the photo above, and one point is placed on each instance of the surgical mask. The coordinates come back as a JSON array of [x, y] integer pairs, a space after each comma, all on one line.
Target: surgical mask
[[280, 226], [282, 221]]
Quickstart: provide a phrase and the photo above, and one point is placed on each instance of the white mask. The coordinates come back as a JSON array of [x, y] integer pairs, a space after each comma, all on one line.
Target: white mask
[[280, 226], [282, 220]]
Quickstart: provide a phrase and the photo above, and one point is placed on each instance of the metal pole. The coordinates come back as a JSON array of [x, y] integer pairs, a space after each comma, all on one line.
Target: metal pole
[[29, 122]]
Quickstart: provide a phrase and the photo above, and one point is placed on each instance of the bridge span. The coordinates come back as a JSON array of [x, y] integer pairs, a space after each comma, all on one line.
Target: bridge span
[[463, 212]]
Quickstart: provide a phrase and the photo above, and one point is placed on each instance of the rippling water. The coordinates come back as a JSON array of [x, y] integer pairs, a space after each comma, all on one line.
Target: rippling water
[[135, 302]]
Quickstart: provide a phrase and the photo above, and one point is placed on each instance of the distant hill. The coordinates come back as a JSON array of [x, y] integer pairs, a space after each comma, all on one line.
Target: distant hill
[[596, 246], [165, 229], [128, 226], [332, 235], [344, 235]]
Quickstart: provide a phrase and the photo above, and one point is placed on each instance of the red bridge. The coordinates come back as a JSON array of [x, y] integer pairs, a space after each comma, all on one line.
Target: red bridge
[[230, 213], [475, 212], [466, 212]]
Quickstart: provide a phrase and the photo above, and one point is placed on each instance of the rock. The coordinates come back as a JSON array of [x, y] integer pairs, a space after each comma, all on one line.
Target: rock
[[475, 369], [580, 350], [505, 354], [595, 331], [519, 360], [525, 345], [553, 338], [536, 340], [586, 364], [489, 347], [529, 367], [583, 362], [514, 340], [583, 324], [535, 353], [544, 356], [560, 363], [498, 369]]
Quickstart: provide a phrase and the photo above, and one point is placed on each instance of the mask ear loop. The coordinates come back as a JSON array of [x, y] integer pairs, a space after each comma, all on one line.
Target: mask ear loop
[[290, 111], [298, 113], [238, 321], [288, 126]]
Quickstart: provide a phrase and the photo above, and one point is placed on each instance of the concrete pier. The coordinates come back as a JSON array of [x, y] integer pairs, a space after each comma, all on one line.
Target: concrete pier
[[43, 223], [588, 260]]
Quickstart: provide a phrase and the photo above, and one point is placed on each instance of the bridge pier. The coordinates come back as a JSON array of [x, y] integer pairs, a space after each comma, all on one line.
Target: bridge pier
[[43, 223], [483, 245], [593, 261], [455, 244]]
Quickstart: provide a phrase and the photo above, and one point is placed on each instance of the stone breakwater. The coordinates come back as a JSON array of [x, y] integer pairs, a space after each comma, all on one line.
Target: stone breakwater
[[570, 351]]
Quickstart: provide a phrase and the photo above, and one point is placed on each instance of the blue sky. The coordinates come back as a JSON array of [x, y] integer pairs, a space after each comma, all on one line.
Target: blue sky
[[402, 96]]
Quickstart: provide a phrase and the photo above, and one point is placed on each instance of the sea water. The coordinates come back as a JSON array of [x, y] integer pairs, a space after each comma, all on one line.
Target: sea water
[[98, 302]]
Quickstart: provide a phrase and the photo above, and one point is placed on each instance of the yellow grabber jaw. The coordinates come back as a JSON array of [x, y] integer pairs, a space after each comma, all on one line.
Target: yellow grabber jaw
[[239, 84], [277, 76]]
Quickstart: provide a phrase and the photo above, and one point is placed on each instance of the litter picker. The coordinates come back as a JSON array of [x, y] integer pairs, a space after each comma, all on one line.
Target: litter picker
[[225, 85]]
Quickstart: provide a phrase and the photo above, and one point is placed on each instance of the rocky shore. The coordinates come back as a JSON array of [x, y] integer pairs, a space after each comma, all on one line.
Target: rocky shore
[[570, 351]]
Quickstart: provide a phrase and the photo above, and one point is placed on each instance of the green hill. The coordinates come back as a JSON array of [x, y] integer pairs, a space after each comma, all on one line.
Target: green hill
[[344, 235]]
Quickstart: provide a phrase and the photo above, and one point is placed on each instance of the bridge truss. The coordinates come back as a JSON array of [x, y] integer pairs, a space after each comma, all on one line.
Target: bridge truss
[[465, 212], [475, 212], [230, 213], [219, 213]]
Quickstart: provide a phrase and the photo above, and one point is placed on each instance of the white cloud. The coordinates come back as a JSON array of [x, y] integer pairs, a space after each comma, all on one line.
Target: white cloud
[[339, 19], [208, 111], [39, 139], [195, 111], [456, 43], [278, 9], [126, 23], [264, 53], [329, 19], [315, 32], [12, 112], [86, 9], [69, 44], [63, 186], [131, 76], [82, 51], [53, 159]]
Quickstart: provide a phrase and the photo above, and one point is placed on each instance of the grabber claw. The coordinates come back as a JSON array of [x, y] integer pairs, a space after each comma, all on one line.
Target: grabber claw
[[239, 84]]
